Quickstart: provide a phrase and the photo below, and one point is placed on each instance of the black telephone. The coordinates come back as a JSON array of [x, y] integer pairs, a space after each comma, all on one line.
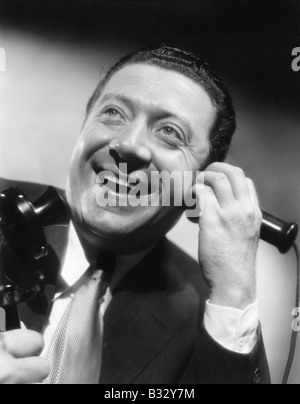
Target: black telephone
[[22, 225]]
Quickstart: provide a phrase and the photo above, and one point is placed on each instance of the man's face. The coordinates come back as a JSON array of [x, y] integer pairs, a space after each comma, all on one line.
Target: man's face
[[153, 120]]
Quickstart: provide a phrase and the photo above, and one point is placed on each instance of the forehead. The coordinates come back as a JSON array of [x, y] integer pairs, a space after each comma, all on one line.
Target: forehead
[[155, 88]]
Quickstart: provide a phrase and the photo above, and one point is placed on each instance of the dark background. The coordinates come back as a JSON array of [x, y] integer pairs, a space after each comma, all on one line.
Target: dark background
[[57, 51], [255, 58]]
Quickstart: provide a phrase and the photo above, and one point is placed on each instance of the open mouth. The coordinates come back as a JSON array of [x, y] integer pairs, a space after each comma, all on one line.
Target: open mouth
[[118, 185], [125, 186]]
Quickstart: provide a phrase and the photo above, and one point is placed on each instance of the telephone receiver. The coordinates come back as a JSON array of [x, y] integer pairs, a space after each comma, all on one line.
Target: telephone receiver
[[275, 231], [278, 233], [22, 230]]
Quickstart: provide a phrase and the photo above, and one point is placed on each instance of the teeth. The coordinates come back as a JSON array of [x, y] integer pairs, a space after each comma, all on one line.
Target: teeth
[[117, 181], [121, 182]]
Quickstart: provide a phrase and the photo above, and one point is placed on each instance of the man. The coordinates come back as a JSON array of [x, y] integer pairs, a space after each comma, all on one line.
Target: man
[[137, 315]]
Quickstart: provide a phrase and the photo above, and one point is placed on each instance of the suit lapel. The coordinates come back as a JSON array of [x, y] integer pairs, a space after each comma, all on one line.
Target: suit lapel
[[137, 333], [146, 313]]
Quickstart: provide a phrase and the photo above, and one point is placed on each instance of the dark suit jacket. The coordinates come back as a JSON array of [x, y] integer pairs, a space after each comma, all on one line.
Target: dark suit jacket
[[154, 331]]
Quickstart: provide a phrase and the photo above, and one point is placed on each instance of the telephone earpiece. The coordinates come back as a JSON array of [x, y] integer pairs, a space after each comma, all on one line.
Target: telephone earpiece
[[22, 222], [274, 231], [22, 225], [278, 233]]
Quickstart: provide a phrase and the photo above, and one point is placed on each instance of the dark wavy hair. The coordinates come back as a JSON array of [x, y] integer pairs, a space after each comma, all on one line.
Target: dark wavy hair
[[200, 72]]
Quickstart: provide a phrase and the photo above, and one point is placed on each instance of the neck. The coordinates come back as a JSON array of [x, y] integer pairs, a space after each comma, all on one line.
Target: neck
[[124, 263]]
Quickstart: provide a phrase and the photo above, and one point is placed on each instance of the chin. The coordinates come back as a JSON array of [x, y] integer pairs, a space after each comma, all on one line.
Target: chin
[[122, 229], [109, 227]]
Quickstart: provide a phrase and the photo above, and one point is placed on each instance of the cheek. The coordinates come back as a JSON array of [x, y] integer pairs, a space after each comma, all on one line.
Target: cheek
[[91, 141], [77, 154], [94, 138], [174, 160], [80, 174], [183, 166]]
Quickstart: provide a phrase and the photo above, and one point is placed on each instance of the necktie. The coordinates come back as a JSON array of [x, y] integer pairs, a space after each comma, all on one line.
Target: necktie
[[76, 349]]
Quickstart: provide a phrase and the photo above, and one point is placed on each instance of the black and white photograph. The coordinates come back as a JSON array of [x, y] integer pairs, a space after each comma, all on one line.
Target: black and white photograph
[[149, 194]]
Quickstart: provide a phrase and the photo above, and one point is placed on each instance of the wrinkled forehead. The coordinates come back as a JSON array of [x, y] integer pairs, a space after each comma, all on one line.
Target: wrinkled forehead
[[152, 88]]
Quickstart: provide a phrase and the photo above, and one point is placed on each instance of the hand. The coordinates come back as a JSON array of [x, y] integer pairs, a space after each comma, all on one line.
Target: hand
[[19, 363], [229, 235]]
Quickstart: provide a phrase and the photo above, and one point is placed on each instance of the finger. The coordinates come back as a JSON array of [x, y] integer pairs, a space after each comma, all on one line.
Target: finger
[[253, 192], [4, 356], [236, 177], [193, 207], [23, 344], [2, 342], [255, 202], [221, 186], [31, 370], [206, 201]]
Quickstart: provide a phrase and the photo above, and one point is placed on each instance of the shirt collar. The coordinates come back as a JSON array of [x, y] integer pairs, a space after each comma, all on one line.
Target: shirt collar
[[76, 263]]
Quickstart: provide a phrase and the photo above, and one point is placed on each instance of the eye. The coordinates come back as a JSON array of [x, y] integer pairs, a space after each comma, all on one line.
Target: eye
[[112, 113], [171, 135], [112, 116], [167, 130]]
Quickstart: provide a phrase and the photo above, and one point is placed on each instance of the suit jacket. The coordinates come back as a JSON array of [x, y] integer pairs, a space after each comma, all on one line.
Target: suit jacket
[[154, 331]]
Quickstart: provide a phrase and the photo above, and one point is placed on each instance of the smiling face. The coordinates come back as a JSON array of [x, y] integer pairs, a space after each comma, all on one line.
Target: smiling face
[[154, 120]]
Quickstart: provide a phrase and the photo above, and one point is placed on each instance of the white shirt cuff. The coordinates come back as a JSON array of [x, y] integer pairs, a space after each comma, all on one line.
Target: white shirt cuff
[[234, 329]]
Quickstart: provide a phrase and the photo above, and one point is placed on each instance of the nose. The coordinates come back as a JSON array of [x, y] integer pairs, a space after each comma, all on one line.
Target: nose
[[131, 147]]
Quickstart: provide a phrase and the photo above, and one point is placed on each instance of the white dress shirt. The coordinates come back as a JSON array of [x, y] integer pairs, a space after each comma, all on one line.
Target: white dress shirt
[[233, 329]]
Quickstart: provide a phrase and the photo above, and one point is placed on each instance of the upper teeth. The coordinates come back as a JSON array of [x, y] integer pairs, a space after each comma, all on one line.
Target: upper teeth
[[118, 181]]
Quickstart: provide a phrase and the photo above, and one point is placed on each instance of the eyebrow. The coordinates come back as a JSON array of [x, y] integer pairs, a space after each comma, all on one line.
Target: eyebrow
[[161, 114]]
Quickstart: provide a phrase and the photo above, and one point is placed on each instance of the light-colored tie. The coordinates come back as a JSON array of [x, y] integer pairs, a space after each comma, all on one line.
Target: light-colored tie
[[76, 349]]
